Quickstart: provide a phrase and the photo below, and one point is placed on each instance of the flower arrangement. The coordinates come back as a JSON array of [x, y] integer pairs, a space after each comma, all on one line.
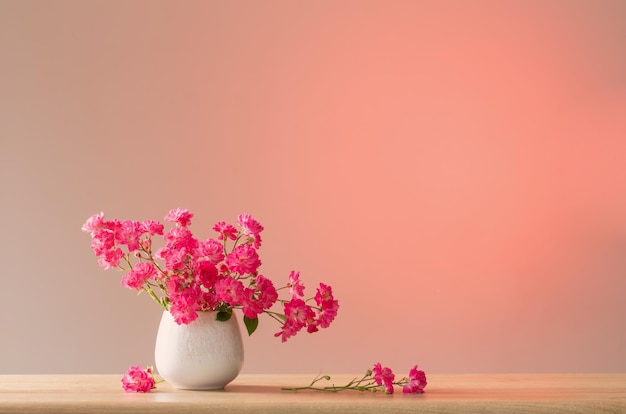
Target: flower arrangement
[[188, 275], [379, 378]]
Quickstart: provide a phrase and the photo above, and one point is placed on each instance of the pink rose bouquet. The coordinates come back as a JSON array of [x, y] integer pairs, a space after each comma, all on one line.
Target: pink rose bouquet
[[188, 275]]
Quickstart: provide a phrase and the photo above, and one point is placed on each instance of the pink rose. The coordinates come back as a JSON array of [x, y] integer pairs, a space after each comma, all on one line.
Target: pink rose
[[179, 237], [184, 306], [250, 306], [267, 292], [226, 231], [213, 250], [384, 376], [131, 232], [229, 290], [296, 288], [251, 228], [137, 379], [329, 305], [154, 227], [297, 315], [243, 260], [180, 216], [138, 275], [205, 273], [111, 258], [417, 382], [93, 223]]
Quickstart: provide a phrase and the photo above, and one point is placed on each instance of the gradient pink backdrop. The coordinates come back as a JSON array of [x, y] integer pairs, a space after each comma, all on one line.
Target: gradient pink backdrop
[[454, 169]]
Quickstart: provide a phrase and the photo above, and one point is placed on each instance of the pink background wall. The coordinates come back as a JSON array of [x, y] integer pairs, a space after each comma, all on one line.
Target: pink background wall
[[454, 169]]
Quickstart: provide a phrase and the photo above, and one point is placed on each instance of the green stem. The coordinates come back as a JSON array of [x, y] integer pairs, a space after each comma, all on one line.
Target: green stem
[[354, 384], [334, 388], [279, 317], [366, 383], [153, 295]]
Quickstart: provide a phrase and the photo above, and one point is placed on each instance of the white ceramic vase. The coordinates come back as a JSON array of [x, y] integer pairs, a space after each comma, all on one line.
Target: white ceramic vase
[[207, 354]]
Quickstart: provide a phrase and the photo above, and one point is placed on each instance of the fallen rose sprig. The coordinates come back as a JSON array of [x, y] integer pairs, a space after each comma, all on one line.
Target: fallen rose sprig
[[377, 379]]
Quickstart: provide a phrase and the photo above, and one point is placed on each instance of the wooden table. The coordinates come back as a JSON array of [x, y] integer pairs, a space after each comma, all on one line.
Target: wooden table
[[524, 393]]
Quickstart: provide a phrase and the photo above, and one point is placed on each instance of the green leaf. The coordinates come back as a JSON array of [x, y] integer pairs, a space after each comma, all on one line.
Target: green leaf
[[251, 324], [223, 316]]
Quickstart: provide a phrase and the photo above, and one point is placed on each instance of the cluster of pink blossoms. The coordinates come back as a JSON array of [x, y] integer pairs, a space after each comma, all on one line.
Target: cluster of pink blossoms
[[299, 314], [414, 384], [188, 275], [137, 379]]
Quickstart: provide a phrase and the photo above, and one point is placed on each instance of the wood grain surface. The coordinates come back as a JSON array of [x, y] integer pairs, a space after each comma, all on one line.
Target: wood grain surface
[[504, 393]]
